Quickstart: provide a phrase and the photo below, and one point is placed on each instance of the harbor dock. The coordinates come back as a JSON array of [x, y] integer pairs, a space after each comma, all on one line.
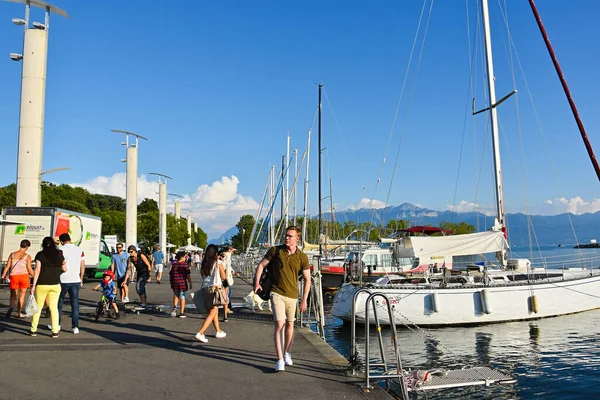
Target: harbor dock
[[152, 355]]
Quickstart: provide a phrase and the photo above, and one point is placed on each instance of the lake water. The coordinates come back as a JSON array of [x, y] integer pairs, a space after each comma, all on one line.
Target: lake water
[[553, 358]]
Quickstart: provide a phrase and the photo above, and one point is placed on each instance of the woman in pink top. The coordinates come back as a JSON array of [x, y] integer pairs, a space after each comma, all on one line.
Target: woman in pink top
[[18, 269]]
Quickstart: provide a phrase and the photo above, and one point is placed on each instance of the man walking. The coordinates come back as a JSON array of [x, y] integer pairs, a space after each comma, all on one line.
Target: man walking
[[158, 259], [119, 267], [70, 281], [285, 262]]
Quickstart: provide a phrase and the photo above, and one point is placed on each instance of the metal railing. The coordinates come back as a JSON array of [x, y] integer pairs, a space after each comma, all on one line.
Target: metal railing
[[384, 362]]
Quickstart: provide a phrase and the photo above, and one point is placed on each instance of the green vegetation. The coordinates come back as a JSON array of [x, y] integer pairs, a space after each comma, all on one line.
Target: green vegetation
[[112, 211], [339, 231]]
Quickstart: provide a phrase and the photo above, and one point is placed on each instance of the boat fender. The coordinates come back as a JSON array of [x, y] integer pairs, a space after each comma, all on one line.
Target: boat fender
[[486, 305], [533, 302], [434, 302]]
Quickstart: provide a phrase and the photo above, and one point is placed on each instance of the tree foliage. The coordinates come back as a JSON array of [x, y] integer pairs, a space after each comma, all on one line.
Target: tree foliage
[[112, 211], [458, 229], [244, 225]]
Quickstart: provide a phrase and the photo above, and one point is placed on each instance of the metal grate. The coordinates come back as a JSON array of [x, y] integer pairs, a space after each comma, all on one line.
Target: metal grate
[[466, 377]]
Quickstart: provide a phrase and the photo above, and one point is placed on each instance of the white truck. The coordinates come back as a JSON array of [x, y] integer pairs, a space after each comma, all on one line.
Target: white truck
[[39, 222]]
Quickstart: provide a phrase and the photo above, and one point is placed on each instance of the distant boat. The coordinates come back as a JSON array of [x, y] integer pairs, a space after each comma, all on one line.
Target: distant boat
[[435, 294]]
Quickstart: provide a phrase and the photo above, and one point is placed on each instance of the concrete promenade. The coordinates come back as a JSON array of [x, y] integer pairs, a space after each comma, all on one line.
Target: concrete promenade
[[154, 356]]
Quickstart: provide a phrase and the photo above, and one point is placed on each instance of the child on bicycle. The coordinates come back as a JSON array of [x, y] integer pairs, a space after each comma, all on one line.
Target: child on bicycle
[[109, 290]]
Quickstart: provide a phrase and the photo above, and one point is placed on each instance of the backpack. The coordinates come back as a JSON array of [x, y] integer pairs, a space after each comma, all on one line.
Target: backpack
[[266, 282]]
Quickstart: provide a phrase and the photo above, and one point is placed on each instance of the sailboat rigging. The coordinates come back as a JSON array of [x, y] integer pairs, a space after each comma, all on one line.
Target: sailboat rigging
[[513, 289]]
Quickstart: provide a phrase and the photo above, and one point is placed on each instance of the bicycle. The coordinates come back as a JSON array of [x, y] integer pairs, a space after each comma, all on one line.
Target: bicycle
[[104, 307]]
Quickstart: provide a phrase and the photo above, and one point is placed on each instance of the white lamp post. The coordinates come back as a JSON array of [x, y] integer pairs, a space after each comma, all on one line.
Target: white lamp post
[[162, 209], [131, 197], [33, 96]]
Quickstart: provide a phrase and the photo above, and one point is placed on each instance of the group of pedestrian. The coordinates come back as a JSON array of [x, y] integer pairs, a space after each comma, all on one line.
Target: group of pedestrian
[[59, 272]]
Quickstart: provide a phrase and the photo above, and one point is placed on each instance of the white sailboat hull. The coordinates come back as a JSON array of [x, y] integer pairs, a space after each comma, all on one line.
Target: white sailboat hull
[[426, 306]]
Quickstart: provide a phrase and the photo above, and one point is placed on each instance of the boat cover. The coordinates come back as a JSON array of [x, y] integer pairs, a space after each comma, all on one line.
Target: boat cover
[[458, 245]]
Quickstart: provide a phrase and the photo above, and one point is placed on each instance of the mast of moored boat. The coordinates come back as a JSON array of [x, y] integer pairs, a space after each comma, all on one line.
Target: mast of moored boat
[[563, 82], [319, 194], [500, 212], [306, 189]]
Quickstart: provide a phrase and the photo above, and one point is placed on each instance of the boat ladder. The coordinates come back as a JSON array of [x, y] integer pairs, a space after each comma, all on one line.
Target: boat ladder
[[413, 380]]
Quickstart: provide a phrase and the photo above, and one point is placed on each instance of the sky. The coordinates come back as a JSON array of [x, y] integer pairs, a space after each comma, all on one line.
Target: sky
[[217, 86]]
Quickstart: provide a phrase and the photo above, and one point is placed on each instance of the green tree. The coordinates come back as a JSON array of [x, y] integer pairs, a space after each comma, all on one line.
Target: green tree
[[458, 229], [8, 196], [201, 238], [177, 233], [244, 225], [147, 222]]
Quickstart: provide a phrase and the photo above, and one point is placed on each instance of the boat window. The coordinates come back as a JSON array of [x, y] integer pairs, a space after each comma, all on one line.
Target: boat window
[[386, 260]]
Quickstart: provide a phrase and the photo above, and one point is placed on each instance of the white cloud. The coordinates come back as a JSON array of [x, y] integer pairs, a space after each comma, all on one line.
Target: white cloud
[[116, 186], [367, 203], [216, 207], [575, 205], [466, 206]]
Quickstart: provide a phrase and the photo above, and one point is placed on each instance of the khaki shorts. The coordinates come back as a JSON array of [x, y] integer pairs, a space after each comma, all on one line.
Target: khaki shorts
[[284, 308]]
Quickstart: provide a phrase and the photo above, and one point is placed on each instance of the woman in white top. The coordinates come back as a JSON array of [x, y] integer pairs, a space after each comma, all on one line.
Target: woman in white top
[[213, 274]]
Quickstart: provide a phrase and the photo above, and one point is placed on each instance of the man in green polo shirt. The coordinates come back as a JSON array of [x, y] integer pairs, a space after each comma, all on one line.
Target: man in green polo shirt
[[286, 262]]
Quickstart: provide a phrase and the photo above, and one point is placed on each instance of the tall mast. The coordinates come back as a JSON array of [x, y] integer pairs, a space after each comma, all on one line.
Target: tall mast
[[331, 209], [494, 119], [287, 181], [319, 194], [283, 171], [306, 188], [563, 82], [296, 173], [271, 200]]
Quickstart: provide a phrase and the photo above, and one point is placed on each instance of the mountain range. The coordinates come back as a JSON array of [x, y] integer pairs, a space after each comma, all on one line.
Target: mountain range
[[552, 230]]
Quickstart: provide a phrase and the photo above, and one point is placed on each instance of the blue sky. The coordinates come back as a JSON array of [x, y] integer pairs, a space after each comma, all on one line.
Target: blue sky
[[216, 86]]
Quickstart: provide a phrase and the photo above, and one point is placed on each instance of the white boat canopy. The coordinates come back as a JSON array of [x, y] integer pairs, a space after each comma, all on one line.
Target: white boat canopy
[[458, 245]]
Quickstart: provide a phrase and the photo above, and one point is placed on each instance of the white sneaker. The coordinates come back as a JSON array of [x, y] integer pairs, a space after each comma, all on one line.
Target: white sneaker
[[125, 299], [220, 335], [201, 338], [76, 331], [50, 327], [174, 313], [280, 366], [287, 357]]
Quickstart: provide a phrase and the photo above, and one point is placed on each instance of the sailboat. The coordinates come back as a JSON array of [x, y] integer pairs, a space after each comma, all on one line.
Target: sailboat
[[441, 296]]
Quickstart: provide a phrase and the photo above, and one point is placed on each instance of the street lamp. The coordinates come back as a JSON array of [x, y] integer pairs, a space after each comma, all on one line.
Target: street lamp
[[243, 239], [162, 209], [49, 171], [189, 225], [177, 206], [131, 179], [33, 93]]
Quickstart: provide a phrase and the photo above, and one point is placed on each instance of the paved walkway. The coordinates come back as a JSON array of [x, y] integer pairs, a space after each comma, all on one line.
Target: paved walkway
[[153, 356]]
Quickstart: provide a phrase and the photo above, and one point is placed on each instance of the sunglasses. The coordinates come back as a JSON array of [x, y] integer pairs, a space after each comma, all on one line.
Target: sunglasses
[[131, 251]]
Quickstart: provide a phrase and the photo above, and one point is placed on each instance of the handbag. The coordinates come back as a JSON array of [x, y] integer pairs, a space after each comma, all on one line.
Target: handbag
[[220, 296]]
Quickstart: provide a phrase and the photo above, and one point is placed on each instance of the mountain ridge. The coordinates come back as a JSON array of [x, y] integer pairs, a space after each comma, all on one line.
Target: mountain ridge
[[550, 230]]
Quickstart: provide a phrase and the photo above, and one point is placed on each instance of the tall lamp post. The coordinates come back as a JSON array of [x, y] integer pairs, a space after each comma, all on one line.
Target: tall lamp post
[[177, 206], [131, 143], [189, 225], [33, 97], [162, 209]]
